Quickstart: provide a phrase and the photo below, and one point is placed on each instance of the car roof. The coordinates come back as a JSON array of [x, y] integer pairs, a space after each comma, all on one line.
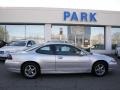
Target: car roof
[[22, 40], [53, 43]]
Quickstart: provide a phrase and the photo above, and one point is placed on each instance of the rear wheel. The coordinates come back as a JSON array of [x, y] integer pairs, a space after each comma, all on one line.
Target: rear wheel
[[30, 70], [100, 69]]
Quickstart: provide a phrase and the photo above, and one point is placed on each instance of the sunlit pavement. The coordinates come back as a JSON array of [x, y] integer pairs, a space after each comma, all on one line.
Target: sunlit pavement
[[12, 81]]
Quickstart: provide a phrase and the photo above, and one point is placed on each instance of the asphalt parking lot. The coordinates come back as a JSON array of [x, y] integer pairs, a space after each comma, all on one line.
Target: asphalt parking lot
[[13, 81]]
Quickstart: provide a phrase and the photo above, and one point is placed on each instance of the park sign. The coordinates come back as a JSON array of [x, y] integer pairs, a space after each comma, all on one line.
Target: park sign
[[81, 16]]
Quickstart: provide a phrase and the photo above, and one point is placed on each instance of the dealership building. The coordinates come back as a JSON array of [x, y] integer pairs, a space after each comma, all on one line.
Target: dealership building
[[97, 29]]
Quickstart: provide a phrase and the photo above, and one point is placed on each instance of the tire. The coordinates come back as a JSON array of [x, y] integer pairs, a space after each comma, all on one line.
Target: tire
[[30, 70], [100, 69]]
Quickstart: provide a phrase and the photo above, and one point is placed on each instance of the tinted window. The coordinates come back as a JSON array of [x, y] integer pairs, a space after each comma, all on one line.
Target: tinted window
[[67, 50], [45, 50], [29, 43], [17, 43]]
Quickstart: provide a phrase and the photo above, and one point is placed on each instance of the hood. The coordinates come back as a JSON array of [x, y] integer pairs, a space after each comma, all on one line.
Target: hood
[[12, 48], [102, 57]]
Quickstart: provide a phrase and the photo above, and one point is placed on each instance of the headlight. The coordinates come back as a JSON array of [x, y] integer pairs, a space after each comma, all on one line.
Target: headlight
[[113, 60]]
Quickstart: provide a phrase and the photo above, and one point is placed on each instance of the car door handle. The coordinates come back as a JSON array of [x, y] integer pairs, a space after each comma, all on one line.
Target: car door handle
[[60, 57]]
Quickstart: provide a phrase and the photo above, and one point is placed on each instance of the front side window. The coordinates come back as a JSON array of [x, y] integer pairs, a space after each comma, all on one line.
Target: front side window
[[67, 50], [45, 50]]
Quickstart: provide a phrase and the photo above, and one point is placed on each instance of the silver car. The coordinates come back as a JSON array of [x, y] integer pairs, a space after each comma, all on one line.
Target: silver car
[[14, 47], [58, 58], [117, 50]]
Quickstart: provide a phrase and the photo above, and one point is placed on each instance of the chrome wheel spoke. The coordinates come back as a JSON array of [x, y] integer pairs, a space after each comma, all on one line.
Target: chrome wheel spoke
[[100, 69], [30, 71]]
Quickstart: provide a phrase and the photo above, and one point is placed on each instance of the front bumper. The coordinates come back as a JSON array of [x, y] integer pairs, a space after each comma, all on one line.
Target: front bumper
[[112, 66], [13, 66], [3, 56]]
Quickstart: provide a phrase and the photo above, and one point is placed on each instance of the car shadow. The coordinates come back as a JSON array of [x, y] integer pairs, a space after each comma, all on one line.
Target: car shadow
[[2, 61], [61, 76]]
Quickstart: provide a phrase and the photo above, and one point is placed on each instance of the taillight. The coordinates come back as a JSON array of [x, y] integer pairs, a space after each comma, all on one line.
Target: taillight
[[9, 57]]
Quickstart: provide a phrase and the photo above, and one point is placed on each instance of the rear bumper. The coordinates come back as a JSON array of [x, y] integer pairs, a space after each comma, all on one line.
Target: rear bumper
[[13, 66]]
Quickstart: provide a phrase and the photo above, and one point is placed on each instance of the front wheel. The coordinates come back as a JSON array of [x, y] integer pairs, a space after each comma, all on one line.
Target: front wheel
[[100, 69], [30, 70]]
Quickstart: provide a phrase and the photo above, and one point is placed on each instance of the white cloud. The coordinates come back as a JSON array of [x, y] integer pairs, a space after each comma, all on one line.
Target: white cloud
[[81, 4]]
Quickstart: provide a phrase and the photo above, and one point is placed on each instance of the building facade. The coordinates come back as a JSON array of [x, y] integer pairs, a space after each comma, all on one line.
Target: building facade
[[99, 30]]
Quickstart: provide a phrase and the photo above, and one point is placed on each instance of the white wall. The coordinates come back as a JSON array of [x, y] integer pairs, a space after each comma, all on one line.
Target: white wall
[[54, 15]]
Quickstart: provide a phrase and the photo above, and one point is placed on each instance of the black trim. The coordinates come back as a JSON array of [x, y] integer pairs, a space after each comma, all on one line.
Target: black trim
[[22, 24], [78, 25], [115, 26]]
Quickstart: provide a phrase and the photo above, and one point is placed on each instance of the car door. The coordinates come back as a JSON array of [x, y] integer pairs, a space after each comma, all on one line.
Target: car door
[[46, 57], [71, 59]]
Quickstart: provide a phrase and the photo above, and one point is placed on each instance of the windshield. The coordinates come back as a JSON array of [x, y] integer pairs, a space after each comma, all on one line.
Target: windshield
[[33, 47], [17, 43]]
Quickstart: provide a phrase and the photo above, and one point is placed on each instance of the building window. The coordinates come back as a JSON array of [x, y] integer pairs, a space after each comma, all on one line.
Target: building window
[[80, 36], [2, 32], [59, 33], [15, 32], [33, 32], [115, 37], [97, 38]]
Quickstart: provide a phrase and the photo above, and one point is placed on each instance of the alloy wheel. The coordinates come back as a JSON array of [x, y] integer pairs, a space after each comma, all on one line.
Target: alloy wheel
[[100, 69], [30, 71]]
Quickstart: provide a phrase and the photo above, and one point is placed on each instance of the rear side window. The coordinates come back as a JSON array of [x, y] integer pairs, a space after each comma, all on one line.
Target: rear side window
[[45, 50]]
